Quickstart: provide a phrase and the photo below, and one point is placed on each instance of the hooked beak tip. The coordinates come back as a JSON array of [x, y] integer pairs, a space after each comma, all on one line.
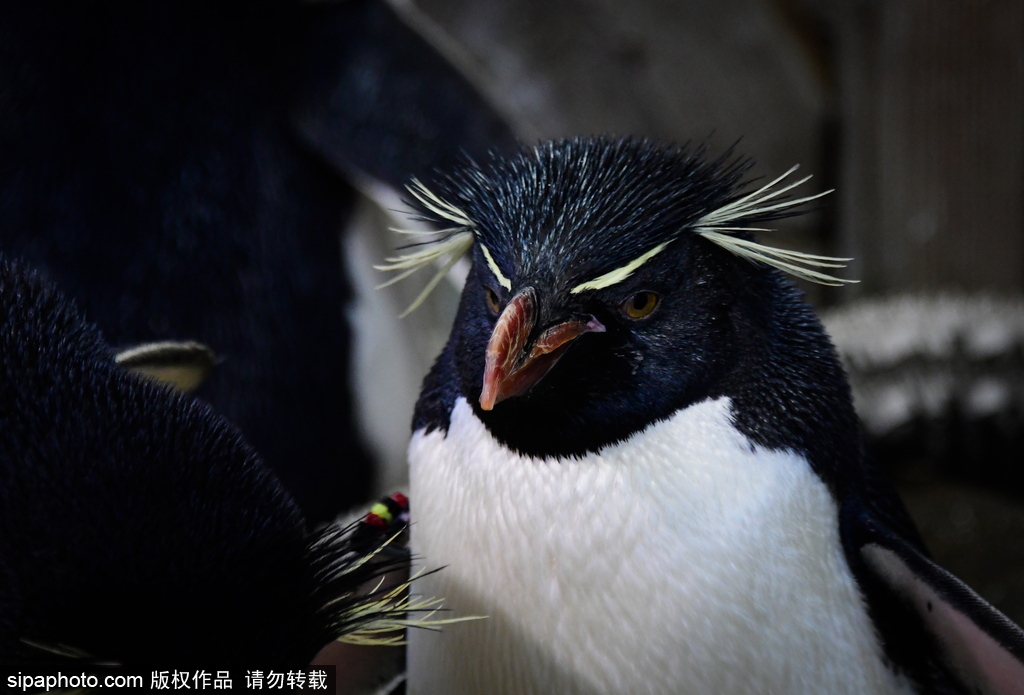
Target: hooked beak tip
[[512, 365], [488, 399]]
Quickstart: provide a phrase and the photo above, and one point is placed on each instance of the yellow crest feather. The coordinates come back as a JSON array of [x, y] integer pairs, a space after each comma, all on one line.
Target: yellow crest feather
[[716, 225], [445, 246]]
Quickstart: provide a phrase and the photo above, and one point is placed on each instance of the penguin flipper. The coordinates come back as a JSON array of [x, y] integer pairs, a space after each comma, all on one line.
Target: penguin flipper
[[981, 647]]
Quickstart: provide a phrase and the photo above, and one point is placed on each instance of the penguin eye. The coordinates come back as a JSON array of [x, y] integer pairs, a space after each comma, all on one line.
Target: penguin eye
[[492, 301], [640, 305]]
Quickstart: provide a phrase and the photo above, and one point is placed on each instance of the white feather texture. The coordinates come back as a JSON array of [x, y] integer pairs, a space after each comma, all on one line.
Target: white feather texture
[[682, 560]]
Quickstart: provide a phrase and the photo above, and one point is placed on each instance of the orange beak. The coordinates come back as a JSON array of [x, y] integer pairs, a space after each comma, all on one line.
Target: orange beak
[[512, 367]]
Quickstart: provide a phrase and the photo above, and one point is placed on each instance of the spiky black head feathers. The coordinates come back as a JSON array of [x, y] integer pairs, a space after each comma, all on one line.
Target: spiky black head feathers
[[577, 209], [589, 211]]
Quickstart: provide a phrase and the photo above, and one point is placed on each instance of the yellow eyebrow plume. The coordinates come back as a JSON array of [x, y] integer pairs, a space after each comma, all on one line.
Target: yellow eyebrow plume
[[619, 274], [502, 280], [717, 227]]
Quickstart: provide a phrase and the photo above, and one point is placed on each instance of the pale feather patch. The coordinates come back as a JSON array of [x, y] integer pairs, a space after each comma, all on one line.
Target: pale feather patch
[[682, 560], [793, 262], [385, 620], [378, 615], [445, 247], [715, 226], [183, 365], [438, 205], [619, 274], [447, 250], [502, 280]]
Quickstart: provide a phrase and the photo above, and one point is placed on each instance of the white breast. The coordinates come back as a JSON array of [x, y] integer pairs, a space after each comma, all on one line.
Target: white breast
[[692, 562]]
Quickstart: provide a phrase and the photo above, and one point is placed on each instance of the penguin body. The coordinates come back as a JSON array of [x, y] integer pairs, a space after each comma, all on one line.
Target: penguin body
[[638, 457], [609, 565], [138, 527]]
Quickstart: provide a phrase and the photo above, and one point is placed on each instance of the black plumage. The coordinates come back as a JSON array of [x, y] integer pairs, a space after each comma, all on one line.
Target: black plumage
[[567, 211], [183, 170], [136, 525]]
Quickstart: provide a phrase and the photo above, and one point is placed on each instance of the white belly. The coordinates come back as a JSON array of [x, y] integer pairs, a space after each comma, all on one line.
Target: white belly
[[695, 564]]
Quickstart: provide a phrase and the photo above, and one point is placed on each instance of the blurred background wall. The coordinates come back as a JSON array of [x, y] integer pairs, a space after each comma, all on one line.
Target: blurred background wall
[[913, 110]]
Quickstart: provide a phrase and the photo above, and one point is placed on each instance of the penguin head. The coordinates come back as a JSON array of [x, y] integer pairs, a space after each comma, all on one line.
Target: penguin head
[[610, 285]]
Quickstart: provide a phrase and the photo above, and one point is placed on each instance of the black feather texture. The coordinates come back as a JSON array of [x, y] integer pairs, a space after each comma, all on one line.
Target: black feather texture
[[574, 209], [136, 525]]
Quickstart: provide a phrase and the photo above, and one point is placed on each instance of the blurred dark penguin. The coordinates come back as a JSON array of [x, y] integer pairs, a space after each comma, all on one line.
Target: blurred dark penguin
[[183, 170], [138, 527], [638, 454]]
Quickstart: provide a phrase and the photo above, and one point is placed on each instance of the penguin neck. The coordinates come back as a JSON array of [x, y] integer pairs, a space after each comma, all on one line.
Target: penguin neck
[[647, 536], [776, 366], [787, 387]]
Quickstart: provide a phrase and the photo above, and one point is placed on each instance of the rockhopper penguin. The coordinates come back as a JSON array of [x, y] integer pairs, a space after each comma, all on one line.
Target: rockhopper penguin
[[638, 458]]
